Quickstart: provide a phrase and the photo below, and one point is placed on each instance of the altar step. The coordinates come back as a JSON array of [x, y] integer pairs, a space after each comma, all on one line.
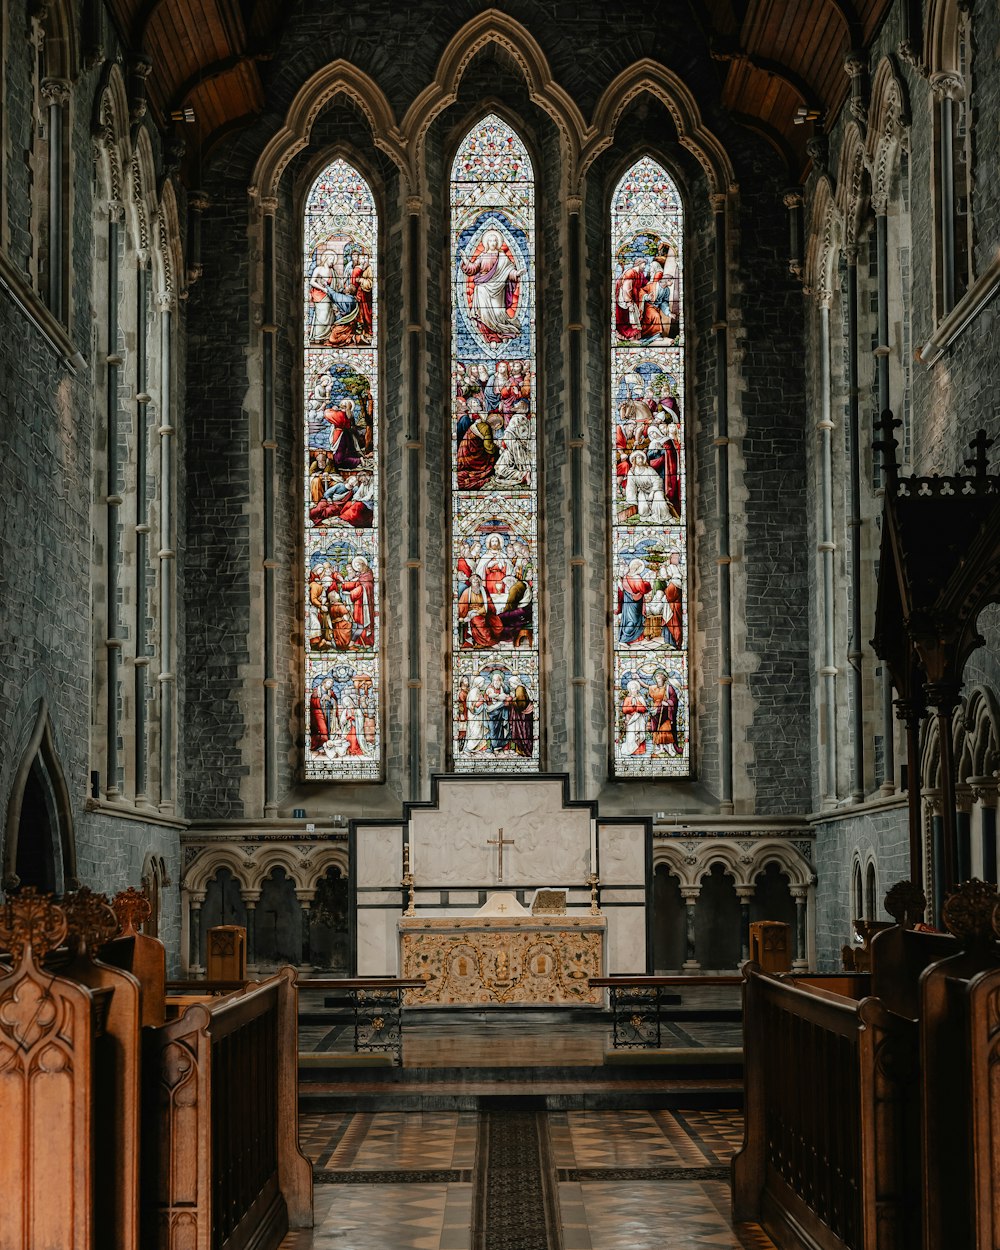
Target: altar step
[[539, 1059], [476, 1094]]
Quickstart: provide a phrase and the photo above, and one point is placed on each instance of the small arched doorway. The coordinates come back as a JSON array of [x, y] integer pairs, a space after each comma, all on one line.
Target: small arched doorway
[[39, 846], [328, 940], [669, 922], [718, 922]]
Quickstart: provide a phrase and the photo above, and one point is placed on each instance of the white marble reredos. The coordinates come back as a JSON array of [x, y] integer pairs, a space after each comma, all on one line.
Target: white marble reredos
[[551, 845]]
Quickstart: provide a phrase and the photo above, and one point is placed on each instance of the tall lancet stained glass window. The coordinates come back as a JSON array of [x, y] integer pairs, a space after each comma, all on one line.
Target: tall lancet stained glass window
[[494, 531], [341, 480], [648, 489]]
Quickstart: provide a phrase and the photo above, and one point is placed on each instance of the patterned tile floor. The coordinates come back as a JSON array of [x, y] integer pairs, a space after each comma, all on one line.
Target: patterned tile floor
[[627, 1180]]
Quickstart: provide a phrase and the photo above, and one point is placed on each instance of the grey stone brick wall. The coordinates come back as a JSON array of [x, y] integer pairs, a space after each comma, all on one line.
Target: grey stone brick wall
[[48, 426], [873, 835]]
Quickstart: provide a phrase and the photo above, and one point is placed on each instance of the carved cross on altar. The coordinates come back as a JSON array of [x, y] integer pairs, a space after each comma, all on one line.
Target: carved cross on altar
[[500, 842]]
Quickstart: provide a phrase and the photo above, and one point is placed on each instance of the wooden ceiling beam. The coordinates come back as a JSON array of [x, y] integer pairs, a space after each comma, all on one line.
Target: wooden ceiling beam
[[806, 92], [217, 70]]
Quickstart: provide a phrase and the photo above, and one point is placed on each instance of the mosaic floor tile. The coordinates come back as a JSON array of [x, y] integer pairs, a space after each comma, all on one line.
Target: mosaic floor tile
[[625, 1181]]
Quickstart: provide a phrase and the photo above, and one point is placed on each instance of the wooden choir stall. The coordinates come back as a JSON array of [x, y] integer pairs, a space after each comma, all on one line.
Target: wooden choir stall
[[872, 1109], [123, 1128]]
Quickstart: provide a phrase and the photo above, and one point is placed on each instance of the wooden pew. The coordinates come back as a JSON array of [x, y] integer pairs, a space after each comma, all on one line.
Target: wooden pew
[[959, 1025], [92, 922], [143, 956], [51, 1029], [831, 1118], [221, 1160]]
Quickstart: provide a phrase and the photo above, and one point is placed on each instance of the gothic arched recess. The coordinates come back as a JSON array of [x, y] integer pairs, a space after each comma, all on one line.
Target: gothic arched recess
[[39, 846]]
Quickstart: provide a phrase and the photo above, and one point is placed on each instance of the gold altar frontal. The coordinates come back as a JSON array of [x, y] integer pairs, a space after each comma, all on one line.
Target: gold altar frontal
[[531, 961]]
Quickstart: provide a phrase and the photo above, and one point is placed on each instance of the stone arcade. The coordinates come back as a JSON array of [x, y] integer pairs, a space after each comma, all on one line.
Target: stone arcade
[[501, 497]]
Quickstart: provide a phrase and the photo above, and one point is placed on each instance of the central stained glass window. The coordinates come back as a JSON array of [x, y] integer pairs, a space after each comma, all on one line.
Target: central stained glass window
[[341, 480], [648, 489], [494, 531]]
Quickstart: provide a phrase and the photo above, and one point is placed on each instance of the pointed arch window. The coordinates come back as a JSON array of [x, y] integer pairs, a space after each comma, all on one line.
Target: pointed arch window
[[494, 530], [343, 695], [649, 539]]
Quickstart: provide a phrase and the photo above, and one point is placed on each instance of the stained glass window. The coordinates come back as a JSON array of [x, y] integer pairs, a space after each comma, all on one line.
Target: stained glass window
[[494, 531], [648, 489], [341, 480]]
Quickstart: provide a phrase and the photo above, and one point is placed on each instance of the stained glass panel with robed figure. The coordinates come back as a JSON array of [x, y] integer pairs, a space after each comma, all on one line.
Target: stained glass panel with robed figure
[[343, 696], [649, 580], [494, 531]]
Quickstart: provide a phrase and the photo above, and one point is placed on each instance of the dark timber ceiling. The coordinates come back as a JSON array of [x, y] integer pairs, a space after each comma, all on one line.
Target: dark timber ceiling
[[772, 56]]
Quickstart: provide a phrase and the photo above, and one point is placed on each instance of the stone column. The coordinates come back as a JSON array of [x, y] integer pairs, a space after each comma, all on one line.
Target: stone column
[[985, 790], [250, 900], [724, 559], [948, 88], [113, 500], [577, 442], [745, 894], [827, 548], [800, 893], [964, 798], [856, 653], [690, 893], [55, 92], [413, 476], [166, 553], [882, 353], [269, 447], [932, 814], [142, 528], [196, 898]]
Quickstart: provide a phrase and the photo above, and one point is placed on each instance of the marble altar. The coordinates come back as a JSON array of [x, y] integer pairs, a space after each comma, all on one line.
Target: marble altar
[[503, 955]]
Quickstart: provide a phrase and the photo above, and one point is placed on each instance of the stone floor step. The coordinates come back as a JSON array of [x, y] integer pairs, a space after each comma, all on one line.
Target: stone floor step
[[556, 1096]]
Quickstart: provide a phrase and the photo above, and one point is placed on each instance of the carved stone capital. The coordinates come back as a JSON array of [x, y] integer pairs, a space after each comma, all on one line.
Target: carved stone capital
[[718, 201], [198, 201], [818, 151], [55, 90], [574, 205], [855, 63], [946, 84], [792, 198], [414, 205]]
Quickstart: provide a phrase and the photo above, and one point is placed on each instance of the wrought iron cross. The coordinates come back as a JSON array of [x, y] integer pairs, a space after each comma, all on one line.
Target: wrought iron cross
[[500, 842], [980, 446]]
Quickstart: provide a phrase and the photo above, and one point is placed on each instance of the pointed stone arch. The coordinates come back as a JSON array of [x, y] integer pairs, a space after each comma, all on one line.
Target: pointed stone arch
[[650, 77], [825, 240], [941, 36], [852, 171], [491, 27], [111, 134], [889, 119], [168, 257], [141, 198], [339, 78], [40, 765]]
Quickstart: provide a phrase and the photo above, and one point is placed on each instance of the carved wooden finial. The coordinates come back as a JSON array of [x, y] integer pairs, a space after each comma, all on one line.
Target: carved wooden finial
[[92, 920], [906, 904], [887, 444], [980, 446], [968, 912], [132, 908], [31, 923]]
